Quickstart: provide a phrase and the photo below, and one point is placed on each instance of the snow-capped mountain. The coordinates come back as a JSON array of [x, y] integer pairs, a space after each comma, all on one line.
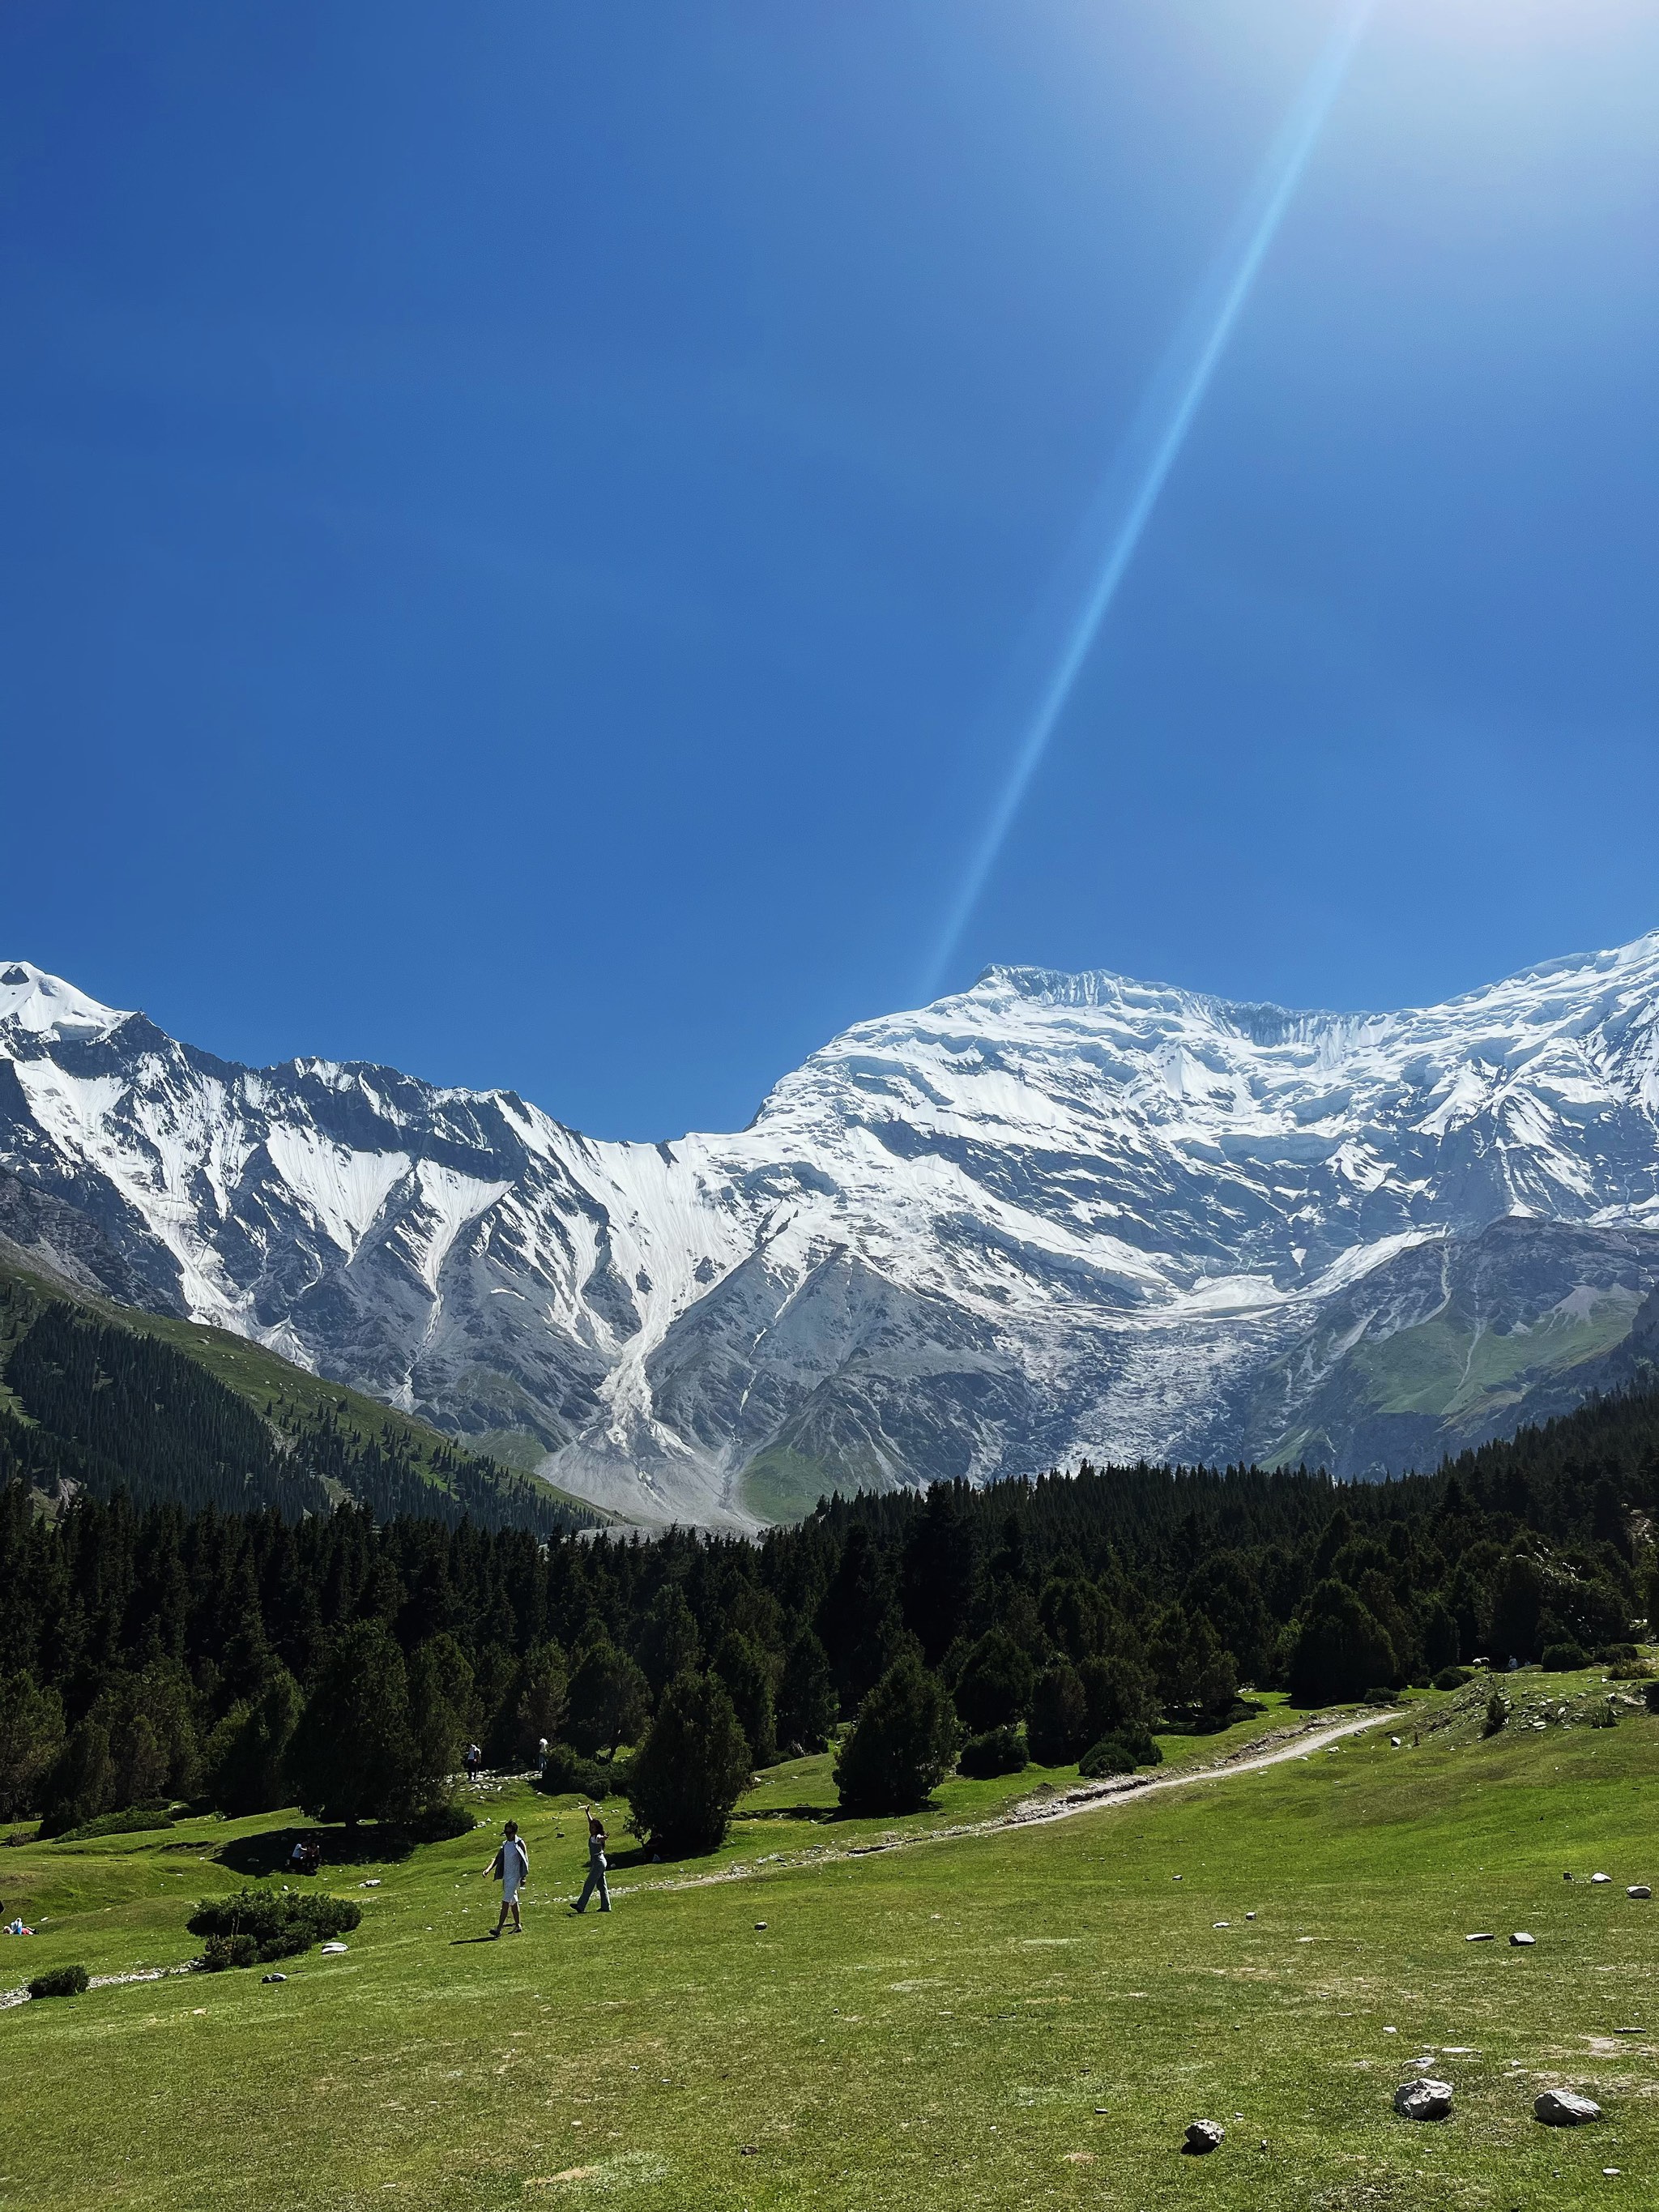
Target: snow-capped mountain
[[1051, 1216]]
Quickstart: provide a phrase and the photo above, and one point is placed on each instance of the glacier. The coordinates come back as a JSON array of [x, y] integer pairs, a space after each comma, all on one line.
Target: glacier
[[1048, 1217]]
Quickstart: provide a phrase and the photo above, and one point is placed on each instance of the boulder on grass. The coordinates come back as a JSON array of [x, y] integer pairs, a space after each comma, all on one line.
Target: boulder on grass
[[1423, 2099], [1203, 2137], [1638, 1889], [1522, 1940], [1563, 2108]]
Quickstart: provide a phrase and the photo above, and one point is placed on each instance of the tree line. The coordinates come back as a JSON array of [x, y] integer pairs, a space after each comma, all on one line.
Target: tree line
[[150, 1653]]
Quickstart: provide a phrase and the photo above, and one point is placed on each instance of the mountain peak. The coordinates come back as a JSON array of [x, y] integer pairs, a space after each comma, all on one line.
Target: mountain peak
[[51, 1009]]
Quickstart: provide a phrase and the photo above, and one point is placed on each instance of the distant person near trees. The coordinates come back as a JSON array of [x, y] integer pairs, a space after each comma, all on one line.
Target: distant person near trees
[[472, 1759], [596, 1865], [511, 1868]]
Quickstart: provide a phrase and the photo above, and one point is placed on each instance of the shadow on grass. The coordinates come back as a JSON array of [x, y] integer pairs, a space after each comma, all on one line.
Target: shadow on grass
[[271, 1851]]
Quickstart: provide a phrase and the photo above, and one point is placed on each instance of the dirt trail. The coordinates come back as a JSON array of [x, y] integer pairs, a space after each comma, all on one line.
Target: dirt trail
[[1271, 1750]]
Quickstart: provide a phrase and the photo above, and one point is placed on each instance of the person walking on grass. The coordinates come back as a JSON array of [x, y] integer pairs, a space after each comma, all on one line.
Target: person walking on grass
[[596, 1865], [511, 1868]]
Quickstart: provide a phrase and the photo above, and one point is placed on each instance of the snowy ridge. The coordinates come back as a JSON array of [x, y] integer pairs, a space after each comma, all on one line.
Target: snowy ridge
[[1049, 1215]]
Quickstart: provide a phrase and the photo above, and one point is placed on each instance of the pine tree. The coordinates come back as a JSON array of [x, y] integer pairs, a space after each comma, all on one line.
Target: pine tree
[[1120, 1698], [691, 1768], [245, 1756], [746, 1672], [31, 1738], [668, 1642], [1339, 1650], [81, 1782], [536, 1706], [1058, 1730], [808, 1706], [352, 1757], [995, 1687], [609, 1700], [440, 1715], [902, 1744]]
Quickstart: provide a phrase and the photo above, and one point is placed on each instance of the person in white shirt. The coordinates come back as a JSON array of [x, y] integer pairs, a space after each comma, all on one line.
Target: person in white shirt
[[511, 1867]]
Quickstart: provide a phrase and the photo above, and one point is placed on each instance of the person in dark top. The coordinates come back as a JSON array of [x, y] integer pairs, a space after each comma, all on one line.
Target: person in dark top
[[596, 1865]]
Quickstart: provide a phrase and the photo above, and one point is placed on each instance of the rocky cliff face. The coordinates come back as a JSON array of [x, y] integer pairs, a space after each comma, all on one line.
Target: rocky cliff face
[[1050, 1216]]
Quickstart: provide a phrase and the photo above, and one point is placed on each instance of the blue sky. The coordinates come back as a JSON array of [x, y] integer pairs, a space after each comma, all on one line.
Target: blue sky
[[532, 533]]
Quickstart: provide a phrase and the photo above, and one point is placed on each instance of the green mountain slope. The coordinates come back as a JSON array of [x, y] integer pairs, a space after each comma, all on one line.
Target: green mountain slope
[[1453, 1343], [106, 1396]]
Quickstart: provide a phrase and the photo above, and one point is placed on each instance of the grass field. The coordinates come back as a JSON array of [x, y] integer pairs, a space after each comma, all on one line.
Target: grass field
[[927, 2027]]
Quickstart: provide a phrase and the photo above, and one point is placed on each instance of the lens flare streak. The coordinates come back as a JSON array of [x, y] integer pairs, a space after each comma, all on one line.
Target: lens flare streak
[[1160, 429]]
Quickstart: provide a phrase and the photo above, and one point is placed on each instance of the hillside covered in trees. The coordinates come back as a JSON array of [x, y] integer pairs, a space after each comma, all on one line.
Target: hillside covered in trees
[[97, 1398], [253, 1658]]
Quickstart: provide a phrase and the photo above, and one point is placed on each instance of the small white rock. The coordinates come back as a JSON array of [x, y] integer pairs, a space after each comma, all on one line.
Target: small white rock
[[1484, 1937], [1601, 1877], [1639, 1889], [332, 1950], [1523, 1941], [1203, 2137]]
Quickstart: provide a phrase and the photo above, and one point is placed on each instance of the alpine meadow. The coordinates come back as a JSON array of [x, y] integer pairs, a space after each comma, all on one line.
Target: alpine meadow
[[829, 1314]]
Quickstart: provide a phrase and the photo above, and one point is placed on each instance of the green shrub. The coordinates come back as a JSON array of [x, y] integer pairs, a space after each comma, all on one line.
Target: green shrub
[[571, 1773], [1498, 1713], [62, 1982], [999, 1751], [1607, 1717], [1565, 1659], [220, 1952], [1630, 1670], [440, 1824], [256, 1925], [1452, 1678], [1111, 1755], [129, 1823], [1616, 1655], [1120, 1753]]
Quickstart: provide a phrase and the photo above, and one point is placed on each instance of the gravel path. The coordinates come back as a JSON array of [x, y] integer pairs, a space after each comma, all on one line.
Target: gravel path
[[1271, 1750]]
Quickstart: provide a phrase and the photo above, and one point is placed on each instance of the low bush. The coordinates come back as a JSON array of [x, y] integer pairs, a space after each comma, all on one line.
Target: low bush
[[1616, 1655], [440, 1824], [999, 1751], [1120, 1754], [1605, 1715], [1630, 1670], [222, 1951], [1378, 1696], [1565, 1659], [62, 1982], [129, 1823], [1497, 1714], [256, 1925], [570, 1773], [1452, 1678]]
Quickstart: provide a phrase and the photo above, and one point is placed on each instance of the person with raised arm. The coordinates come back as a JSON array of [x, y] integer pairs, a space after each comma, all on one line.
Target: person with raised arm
[[596, 1865]]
